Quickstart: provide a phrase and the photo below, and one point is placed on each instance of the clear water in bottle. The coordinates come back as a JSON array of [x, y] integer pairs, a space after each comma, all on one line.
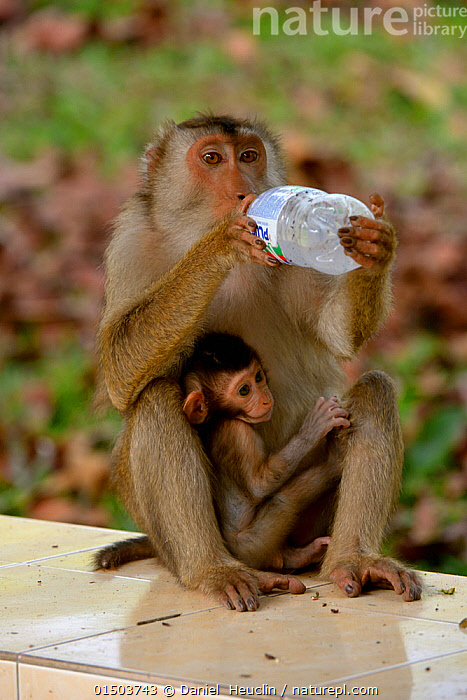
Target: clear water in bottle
[[300, 224]]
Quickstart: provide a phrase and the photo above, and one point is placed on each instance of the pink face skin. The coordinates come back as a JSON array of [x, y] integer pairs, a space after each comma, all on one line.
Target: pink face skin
[[230, 168], [248, 390]]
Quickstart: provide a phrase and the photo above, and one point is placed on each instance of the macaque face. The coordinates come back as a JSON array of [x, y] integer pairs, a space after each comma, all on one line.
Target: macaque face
[[228, 168], [248, 392]]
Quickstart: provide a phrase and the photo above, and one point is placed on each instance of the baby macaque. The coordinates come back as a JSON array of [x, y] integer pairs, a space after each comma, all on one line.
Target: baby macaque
[[258, 496]]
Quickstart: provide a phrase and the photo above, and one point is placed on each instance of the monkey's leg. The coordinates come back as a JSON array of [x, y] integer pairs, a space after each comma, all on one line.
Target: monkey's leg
[[261, 542], [168, 490], [370, 455]]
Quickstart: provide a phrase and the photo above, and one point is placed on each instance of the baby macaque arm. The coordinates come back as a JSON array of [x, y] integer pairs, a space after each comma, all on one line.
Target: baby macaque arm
[[240, 451], [277, 469]]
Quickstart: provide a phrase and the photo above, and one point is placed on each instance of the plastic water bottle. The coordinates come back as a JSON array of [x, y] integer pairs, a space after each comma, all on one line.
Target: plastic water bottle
[[299, 226]]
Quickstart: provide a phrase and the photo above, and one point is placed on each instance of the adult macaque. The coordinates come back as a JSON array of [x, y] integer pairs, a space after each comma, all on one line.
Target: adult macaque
[[183, 262], [258, 495]]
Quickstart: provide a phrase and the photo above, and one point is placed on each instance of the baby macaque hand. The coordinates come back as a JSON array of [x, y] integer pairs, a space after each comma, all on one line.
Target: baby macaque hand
[[323, 417]]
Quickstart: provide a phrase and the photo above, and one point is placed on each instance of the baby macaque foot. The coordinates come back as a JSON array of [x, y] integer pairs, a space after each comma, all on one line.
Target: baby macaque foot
[[299, 557]]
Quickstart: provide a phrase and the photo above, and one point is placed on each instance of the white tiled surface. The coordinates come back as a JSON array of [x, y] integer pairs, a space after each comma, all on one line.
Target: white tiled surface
[[8, 687], [67, 632]]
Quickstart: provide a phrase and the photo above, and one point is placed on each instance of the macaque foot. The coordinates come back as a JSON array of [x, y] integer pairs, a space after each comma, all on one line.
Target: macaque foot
[[242, 588], [380, 572], [299, 557]]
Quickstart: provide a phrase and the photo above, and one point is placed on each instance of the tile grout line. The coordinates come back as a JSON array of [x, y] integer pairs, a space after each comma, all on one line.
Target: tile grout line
[[63, 554], [38, 562], [123, 672], [17, 678], [208, 609], [395, 667], [395, 614], [72, 640]]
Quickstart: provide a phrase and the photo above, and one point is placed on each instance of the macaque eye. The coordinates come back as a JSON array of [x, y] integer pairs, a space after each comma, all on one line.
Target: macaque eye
[[259, 376], [244, 390], [212, 158], [249, 156]]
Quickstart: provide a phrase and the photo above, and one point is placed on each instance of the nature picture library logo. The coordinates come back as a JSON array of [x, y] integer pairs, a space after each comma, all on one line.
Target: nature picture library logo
[[422, 20]]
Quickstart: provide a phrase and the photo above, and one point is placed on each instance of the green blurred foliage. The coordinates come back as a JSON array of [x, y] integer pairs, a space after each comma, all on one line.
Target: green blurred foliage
[[67, 100], [427, 458], [92, 9], [377, 100]]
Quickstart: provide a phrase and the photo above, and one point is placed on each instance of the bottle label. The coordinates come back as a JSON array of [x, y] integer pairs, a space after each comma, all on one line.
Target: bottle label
[[265, 211]]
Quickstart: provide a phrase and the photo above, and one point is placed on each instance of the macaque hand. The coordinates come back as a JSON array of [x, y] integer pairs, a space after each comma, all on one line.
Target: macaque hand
[[382, 572], [370, 242], [323, 417], [249, 246], [241, 589]]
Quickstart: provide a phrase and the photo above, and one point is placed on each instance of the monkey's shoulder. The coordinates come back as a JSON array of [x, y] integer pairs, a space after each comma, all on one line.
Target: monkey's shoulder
[[229, 429], [229, 439]]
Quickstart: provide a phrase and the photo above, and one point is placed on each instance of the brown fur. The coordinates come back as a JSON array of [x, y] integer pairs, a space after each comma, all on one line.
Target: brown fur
[[258, 496], [173, 272]]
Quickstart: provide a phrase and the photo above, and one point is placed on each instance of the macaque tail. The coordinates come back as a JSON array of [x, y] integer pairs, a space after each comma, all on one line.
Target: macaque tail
[[114, 555]]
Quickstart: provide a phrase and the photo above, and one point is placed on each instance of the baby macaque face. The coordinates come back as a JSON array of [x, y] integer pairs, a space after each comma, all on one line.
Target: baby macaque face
[[248, 393]]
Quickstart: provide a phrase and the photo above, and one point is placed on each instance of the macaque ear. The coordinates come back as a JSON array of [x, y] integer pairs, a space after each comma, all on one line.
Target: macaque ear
[[195, 408]]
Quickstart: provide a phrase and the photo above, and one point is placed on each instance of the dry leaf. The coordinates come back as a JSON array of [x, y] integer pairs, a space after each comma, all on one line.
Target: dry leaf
[[54, 31]]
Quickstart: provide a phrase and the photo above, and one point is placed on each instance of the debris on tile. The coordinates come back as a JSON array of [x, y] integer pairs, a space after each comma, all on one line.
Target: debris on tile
[[157, 619]]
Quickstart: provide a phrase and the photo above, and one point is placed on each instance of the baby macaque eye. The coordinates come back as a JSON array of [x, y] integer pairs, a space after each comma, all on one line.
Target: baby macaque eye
[[259, 376], [244, 390], [212, 158]]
